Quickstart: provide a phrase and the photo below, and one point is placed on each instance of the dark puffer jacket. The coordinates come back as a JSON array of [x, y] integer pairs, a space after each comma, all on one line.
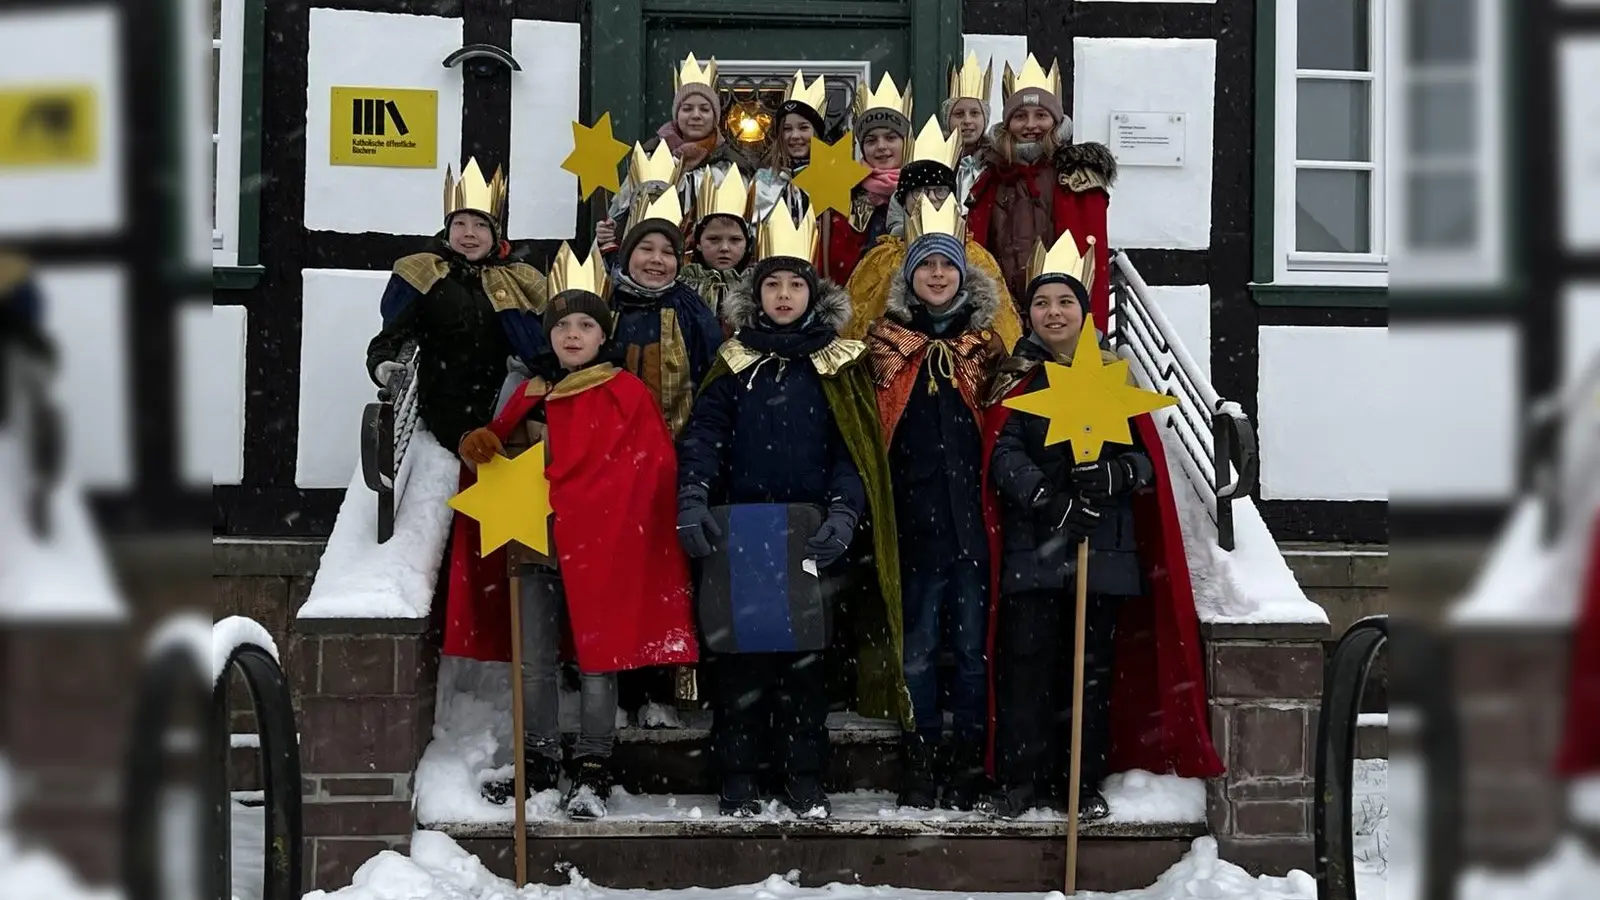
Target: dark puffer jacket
[[1035, 557], [765, 434]]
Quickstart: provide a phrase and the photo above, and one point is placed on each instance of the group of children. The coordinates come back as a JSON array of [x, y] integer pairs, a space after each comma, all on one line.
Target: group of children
[[705, 358]]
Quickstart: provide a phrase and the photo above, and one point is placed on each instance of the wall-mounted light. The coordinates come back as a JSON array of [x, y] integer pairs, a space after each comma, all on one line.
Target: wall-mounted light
[[748, 122]]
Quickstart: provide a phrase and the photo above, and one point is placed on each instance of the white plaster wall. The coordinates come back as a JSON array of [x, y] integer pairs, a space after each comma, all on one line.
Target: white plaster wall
[[339, 315], [544, 101], [1322, 401], [1151, 206], [361, 49], [1582, 328], [1002, 49], [68, 47], [1579, 72], [1454, 408], [211, 341], [1188, 309], [85, 314]]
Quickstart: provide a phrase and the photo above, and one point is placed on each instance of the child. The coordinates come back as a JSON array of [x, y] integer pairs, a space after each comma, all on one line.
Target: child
[[801, 117], [786, 417], [966, 114], [723, 245], [1048, 505], [933, 355], [883, 128], [610, 466]]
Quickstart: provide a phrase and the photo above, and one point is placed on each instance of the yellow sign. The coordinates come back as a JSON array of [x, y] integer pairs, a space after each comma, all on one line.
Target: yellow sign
[[511, 502], [48, 125], [389, 127]]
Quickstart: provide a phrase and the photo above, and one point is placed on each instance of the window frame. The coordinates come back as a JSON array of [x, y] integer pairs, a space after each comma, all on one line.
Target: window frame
[[237, 141]]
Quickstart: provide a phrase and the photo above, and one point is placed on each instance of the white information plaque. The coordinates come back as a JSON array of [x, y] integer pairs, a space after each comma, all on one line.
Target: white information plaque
[[1147, 138]]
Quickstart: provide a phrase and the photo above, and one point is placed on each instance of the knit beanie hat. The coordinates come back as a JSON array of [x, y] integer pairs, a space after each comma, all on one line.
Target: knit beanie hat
[[880, 117], [578, 301], [1078, 290], [924, 173], [928, 245], [804, 111], [697, 89], [795, 264], [1033, 97], [638, 231]]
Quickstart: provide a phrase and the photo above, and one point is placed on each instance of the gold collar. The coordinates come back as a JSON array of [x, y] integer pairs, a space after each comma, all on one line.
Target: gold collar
[[828, 361]]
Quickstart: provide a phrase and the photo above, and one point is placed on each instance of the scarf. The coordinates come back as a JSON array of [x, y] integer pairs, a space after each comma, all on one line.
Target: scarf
[[693, 153], [880, 185], [639, 292]]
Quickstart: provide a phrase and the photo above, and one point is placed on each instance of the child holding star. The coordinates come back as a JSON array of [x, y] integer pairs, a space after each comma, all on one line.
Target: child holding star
[[612, 476]]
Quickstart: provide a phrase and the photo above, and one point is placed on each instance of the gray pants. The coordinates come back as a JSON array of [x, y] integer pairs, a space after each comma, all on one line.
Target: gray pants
[[544, 606]]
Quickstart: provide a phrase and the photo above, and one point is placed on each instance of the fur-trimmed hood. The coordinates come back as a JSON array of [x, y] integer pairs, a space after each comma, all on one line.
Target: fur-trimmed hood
[[1089, 156], [741, 306], [983, 295]]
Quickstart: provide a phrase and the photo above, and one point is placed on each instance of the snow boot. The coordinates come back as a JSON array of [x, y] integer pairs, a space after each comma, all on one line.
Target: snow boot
[[805, 796], [741, 798], [1092, 805], [1008, 803], [964, 779], [917, 786], [543, 772], [591, 787]]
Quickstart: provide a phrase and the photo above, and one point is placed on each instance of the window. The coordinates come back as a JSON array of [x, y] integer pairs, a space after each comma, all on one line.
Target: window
[[227, 67], [1330, 180]]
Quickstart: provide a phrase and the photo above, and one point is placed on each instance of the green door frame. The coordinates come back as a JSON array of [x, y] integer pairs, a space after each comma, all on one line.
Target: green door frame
[[618, 36]]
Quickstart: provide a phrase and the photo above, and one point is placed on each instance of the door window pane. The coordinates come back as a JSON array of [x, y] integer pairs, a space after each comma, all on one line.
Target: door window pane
[[1333, 211], [1443, 31], [1443, 119], [1442, 211], [1333, 34], [1333, 120]]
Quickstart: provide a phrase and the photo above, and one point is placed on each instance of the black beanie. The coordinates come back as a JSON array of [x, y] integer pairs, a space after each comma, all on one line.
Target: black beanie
[[794, 264], [924, 173], [744, 225], [578, 301], [638, 231], [805, 111], [1078, 290]]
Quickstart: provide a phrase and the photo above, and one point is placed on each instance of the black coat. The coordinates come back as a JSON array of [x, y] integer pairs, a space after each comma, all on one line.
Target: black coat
[[1035, 557], [765, 433]]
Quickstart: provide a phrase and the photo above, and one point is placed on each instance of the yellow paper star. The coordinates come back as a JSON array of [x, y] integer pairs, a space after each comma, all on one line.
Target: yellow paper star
[[594, 157], [1089, 402], [833, 173], [511, 502]]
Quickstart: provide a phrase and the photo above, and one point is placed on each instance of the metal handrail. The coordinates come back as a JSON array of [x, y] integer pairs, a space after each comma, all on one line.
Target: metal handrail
[[387, 425], [172, 676], [280, 771], [1557, 427], [1220, 456]]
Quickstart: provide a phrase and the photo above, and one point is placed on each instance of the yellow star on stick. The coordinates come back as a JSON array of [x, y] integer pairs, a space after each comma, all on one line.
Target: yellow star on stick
[[511, 502], [1089, 402], [594, 157], [833, 173]]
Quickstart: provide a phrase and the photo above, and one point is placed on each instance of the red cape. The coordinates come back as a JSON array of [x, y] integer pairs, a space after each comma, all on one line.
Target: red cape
[[846, 246], [1082, 212], [1580, 748], [613, 487], [1160, 720]]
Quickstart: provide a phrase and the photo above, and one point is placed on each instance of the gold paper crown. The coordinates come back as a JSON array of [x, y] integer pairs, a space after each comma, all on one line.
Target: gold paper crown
[[968, 82], [567, 274], [932, 218], [932, 146], [691, 72], [780, 235], [666, 206], [1063, 259], [885, 96], [1032, 76], [814, 95], [729, 198], [472, 192], [658, 165]]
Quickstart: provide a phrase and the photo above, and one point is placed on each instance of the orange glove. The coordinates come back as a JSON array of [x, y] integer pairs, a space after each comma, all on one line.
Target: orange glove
[[479, 446]]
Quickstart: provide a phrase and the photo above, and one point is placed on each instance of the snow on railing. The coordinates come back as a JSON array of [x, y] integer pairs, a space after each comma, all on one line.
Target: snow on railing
[[1218, 440], [1563, 441], [386, 428]]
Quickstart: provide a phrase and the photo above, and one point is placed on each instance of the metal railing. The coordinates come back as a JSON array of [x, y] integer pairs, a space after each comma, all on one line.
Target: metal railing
[[1219, 455], [387, 425], [279, 744], [25, 407]]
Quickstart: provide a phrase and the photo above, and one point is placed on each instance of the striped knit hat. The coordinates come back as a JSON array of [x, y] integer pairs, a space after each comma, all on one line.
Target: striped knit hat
[[928, 245]]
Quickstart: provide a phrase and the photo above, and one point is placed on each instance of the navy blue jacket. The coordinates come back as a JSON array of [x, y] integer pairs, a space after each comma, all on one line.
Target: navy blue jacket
[[638, 330]]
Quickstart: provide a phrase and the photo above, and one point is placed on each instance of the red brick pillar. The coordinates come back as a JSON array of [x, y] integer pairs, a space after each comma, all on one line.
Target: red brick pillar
[[366, 691], [1266, 691]]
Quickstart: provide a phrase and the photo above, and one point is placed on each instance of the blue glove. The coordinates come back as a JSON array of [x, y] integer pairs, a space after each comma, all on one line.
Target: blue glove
[[833, 538]]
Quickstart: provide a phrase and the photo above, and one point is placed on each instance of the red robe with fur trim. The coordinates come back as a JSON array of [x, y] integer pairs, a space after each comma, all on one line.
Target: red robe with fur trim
[[1580, 749], [1084, 173], [613, 487], [1160, 720]]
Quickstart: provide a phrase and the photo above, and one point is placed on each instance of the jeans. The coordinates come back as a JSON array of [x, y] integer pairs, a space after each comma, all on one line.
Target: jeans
[[544, 604], [946, 607]]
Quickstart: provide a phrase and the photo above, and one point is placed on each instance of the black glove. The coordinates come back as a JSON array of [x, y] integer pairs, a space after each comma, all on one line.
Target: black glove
[[696, 526], [833, 538], [1105, 478], [1072, 517]]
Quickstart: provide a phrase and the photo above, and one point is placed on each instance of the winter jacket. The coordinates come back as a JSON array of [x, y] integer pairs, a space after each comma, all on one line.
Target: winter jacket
[[1014, 204], [766, 433], [1036, 558], [669, 342], [930, 405], [466, 319]]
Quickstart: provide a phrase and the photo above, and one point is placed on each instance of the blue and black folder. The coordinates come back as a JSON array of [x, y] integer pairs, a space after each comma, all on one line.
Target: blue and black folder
[[759, 593]]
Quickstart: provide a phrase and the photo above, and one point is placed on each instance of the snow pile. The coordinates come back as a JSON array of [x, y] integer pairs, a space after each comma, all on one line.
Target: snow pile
[[1249, 584], [28, 874], [232, 633], [361, 578], [1525, 582], [1571, 872], [63, 577]]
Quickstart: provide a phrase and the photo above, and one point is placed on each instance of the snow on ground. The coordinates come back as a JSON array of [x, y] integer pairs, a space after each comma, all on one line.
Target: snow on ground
[[64, 576], [249, 857], [1585, 800], [1249, 584], [1370, 796], [1372, 720], [361, 578], [27, 873]]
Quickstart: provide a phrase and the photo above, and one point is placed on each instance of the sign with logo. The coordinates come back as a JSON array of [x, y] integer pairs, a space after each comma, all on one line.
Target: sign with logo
[[1148, 138], [389, 127], [48, 125]]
